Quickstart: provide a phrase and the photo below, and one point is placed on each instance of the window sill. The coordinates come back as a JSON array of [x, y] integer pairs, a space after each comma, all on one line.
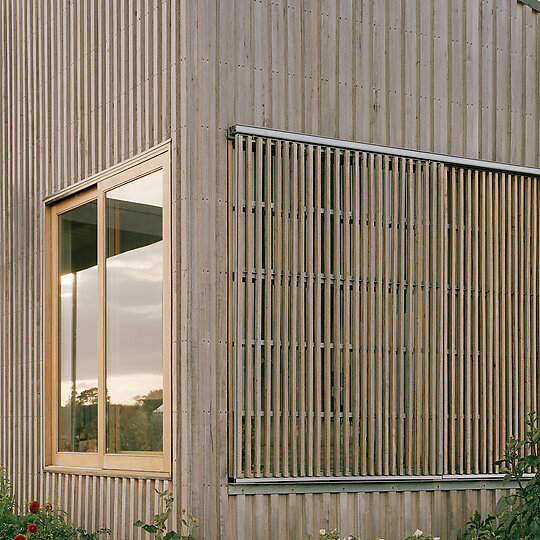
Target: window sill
[[140, 475]]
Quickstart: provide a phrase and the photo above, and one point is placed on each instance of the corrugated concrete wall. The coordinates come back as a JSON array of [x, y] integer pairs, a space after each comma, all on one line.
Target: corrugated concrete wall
[[85, 85], [451, 77], [366, 515]]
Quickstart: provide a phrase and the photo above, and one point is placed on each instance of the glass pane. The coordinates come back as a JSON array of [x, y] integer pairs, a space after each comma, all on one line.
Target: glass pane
[[77, 430], [134, 277]]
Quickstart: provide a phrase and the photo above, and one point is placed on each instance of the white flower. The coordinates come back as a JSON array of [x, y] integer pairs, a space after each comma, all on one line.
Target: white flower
[[322, 531], [436, 538], [418, 533]]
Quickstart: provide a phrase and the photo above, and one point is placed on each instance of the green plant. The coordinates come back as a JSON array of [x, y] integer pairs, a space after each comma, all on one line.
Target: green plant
[[517, 515], [334, 535], [329, 535], [36, 522], [6, 496], [419, 535], [158, 527], [480, 529]]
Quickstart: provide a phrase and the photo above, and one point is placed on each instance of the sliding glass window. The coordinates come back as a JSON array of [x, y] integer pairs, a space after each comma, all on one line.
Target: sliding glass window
[[107, 326]]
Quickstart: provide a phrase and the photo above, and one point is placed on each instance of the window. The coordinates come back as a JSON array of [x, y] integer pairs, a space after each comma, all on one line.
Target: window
[[107, 324], [383, 310]]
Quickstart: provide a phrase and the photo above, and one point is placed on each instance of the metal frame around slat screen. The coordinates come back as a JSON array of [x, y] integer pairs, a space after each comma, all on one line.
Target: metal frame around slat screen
[[361, 482], [240, 129]]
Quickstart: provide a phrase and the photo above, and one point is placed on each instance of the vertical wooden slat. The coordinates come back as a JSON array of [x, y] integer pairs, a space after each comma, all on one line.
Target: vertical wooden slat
[[258, 314], [503, 294], [301, 313], [495, 399], [346, 339], [529, 381], [516, 319], [509, 306], [427, 289], [484, 315], [326, 254], [335, 311], [521, 405], [365, 467], [453, 435], [356, 320], [443, 317], [310, 297], [534, 292], [270, 412], [475, 314], [460, 327], [410, 306], [417, 287], [435, 294], [386, 285], [232, 333], [249, 310], [294, 347], [372, 319], [285, 329], [468, 293], [318, 337], [403, 336], [489, 319], [378, 345], [395, 356], [240, 295], [276, 308]]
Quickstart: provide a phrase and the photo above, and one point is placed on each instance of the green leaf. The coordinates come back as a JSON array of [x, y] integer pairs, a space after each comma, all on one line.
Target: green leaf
[[501, 506], [506, 479], [150, 528], [138, 523]]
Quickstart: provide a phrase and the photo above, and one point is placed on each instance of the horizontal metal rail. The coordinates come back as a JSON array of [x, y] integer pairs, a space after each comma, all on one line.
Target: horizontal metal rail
[[240, 129], [352, 484], [533, 4]]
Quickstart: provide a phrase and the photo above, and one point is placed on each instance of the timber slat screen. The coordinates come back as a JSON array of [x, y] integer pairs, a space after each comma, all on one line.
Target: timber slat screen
[[383, 312]]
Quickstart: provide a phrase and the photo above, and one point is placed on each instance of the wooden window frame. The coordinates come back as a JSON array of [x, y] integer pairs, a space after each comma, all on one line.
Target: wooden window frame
[[131, 464]]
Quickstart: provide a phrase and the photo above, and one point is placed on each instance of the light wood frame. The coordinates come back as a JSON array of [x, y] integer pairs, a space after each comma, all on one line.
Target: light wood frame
[[139, 463]]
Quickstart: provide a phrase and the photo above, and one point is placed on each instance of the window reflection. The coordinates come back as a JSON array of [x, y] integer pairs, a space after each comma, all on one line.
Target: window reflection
[[134, 280], [78, 329]]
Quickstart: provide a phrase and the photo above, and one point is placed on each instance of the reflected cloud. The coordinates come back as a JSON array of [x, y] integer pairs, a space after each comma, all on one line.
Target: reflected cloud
[[146, 265], [81, 386], [121, 389], [126, 389], [147, 190]]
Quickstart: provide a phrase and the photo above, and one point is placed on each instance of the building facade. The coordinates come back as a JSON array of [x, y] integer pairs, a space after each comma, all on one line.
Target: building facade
[[350, 321]]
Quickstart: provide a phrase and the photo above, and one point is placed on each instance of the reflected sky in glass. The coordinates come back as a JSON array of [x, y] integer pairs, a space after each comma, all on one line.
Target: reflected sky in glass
[[78, 287], [78, 360], [134, 281]]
